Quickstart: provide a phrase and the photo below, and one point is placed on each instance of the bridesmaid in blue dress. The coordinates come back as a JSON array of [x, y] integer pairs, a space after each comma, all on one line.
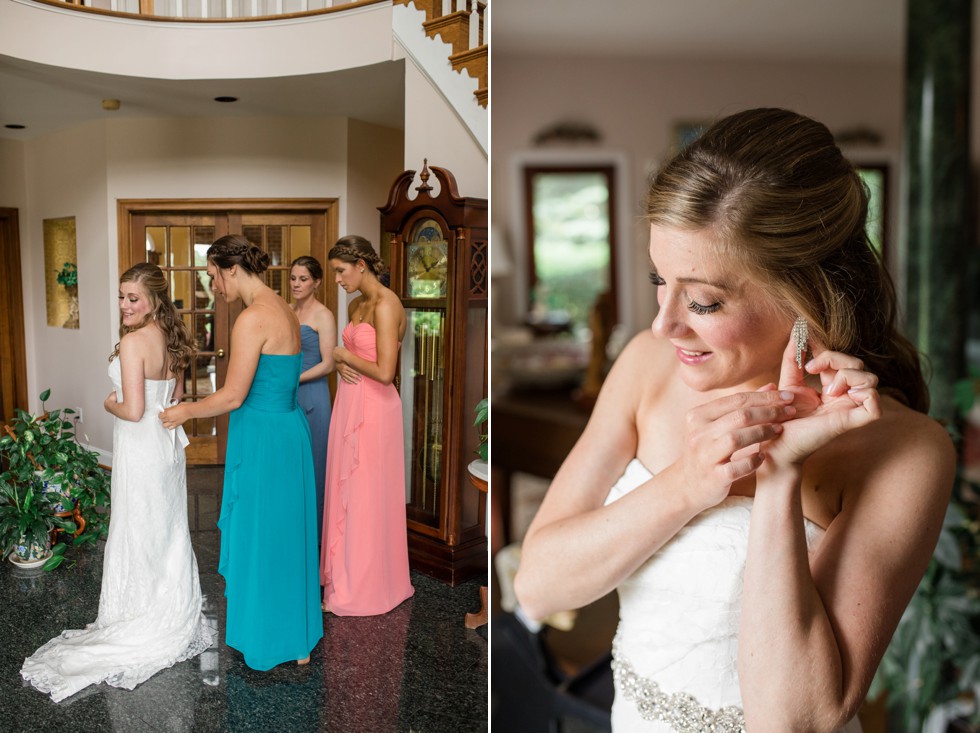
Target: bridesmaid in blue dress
[[272, 587], [318, 328]]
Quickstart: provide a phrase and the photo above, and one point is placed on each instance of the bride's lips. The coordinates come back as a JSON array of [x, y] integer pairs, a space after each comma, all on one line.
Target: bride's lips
[[692, 357]]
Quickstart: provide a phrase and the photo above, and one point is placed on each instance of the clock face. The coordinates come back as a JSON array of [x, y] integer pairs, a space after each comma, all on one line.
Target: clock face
[[427, 269]]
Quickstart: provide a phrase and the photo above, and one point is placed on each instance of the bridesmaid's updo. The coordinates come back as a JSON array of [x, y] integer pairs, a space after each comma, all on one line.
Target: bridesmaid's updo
[[311, 264], [352, 248], [234, 249]]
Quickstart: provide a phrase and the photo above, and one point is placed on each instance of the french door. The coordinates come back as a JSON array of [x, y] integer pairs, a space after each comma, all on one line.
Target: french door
[[176, 234]]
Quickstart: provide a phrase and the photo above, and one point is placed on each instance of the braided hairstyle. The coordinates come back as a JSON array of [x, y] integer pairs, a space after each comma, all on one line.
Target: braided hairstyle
[[180, 345], [234, 249], [352, 248]]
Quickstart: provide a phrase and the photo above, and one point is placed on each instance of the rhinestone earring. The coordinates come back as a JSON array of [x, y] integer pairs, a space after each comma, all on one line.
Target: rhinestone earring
[[800, 336]]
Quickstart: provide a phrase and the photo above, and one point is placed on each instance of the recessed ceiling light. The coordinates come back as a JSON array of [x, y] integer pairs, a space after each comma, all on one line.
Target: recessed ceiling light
[[15, 127], [226, 99]]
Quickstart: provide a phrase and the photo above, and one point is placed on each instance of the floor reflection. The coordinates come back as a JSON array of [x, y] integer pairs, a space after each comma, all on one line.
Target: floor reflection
[[416, 668]]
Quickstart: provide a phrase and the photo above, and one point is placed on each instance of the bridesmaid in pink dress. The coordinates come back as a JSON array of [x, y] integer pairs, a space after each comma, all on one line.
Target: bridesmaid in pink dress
[[364, 555]]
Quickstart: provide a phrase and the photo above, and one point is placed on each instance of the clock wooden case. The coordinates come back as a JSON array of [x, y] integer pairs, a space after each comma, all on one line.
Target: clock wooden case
[[440, 270]]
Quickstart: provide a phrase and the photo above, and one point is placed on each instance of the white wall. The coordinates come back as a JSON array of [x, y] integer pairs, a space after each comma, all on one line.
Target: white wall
[[66, 176], [82, 172], [635, 104], [374, 161], [167, 50], [433, 131]]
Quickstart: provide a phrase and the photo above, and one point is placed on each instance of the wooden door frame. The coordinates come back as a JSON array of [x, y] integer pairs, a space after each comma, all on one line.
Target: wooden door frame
[[126, 209], [13, 346]]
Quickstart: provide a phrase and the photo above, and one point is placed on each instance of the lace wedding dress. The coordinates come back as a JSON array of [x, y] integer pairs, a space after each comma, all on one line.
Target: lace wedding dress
[[674, 654], [150, 613]]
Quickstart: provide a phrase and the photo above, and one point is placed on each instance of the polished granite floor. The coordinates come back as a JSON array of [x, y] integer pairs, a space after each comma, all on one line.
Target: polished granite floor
[[416, 669]]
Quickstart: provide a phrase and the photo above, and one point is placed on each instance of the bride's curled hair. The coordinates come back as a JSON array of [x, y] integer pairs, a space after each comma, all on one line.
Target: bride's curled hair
[[180, 345]]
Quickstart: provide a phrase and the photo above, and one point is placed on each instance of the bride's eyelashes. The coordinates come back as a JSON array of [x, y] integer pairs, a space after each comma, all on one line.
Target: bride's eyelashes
[[693, 305]]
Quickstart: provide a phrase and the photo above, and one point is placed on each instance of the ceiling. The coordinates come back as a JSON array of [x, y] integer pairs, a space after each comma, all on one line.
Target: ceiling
[[795, 30], [46, 98]]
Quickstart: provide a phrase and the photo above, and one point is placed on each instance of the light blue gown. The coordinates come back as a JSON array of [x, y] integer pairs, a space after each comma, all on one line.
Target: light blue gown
[[314, 398], [268, 523]]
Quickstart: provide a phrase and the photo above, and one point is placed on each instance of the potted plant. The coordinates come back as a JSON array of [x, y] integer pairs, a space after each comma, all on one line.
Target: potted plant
[[68, 276], [27, 520], [482, 411], [40, 455], [931, 670]]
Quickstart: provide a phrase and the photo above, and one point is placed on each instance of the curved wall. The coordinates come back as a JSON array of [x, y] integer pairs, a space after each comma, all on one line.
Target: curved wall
[[172, 50]]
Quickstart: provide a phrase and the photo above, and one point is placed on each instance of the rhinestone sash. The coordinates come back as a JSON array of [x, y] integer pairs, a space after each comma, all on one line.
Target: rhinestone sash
[[680, 711]]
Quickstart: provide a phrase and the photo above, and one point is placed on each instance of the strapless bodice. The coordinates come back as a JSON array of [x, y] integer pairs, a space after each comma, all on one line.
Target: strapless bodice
[[679, 615], [275, 383], [361, 339], [311, 347], [157, 393]]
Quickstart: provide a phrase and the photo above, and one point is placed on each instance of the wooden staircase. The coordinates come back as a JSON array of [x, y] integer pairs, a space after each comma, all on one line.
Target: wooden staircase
[[469, 46]]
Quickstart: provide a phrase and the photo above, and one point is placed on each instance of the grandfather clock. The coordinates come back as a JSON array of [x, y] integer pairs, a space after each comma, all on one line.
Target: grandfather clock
[[440, 270]]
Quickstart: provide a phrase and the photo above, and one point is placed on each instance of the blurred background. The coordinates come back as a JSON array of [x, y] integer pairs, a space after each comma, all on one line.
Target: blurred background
[[589, 99]]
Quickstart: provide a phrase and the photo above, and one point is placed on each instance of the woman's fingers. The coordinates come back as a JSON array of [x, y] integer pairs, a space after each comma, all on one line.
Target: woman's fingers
[[741, 403], [834, 360], [847, 379]]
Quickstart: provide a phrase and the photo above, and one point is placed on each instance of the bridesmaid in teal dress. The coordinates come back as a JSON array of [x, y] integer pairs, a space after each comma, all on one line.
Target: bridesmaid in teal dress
[[318, 328], [268, 507]]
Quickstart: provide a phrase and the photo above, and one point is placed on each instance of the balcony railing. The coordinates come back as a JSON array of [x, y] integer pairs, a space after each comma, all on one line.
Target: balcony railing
[[459, 23], [212, 10]]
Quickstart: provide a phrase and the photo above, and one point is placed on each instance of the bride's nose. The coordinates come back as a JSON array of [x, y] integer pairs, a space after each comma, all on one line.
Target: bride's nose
[[669, 321]]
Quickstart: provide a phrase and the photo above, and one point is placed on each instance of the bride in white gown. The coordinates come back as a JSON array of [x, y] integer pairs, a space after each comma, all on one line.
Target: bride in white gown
[[150, 609], [778, 485]]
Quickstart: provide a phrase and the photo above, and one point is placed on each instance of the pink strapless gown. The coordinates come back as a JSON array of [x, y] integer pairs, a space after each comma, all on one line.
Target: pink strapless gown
[[364, 555]]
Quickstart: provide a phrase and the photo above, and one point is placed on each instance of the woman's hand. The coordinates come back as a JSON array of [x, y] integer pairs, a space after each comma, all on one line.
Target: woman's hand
[[110, 401], [848, 399], [348, 373], [175, 416], [723, 439]]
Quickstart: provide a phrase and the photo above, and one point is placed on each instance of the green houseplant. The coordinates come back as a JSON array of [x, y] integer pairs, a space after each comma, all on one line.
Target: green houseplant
[[482, 411], [68, 277], [46, 468], [932, 665], [27, 519]]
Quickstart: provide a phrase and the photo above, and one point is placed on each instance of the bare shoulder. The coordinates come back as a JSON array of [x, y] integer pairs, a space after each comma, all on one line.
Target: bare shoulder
[[323, 316], [646, 362], [638, 371], [141, 340], [644, 348], [353, 306], [905, 454], [390, 302]]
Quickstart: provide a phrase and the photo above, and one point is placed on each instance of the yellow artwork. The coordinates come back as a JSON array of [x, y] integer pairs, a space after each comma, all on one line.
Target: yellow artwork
[[61, 272]]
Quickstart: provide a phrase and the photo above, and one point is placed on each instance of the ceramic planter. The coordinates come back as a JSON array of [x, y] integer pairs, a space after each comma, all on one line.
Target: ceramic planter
[[30, 553], [58, 492]]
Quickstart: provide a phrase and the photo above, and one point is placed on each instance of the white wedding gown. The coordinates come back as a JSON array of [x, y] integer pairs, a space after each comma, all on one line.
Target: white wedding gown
[[674, 654], [150, 607]]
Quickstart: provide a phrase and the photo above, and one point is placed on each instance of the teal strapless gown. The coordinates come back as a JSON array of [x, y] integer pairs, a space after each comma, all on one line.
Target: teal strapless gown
[[268, 522]]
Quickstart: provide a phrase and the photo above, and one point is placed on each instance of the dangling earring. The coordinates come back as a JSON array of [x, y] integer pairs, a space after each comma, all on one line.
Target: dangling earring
[[800, 336]]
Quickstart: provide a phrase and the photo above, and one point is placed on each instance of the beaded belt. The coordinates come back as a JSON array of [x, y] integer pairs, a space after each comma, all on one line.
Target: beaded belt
[[680, 711]]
